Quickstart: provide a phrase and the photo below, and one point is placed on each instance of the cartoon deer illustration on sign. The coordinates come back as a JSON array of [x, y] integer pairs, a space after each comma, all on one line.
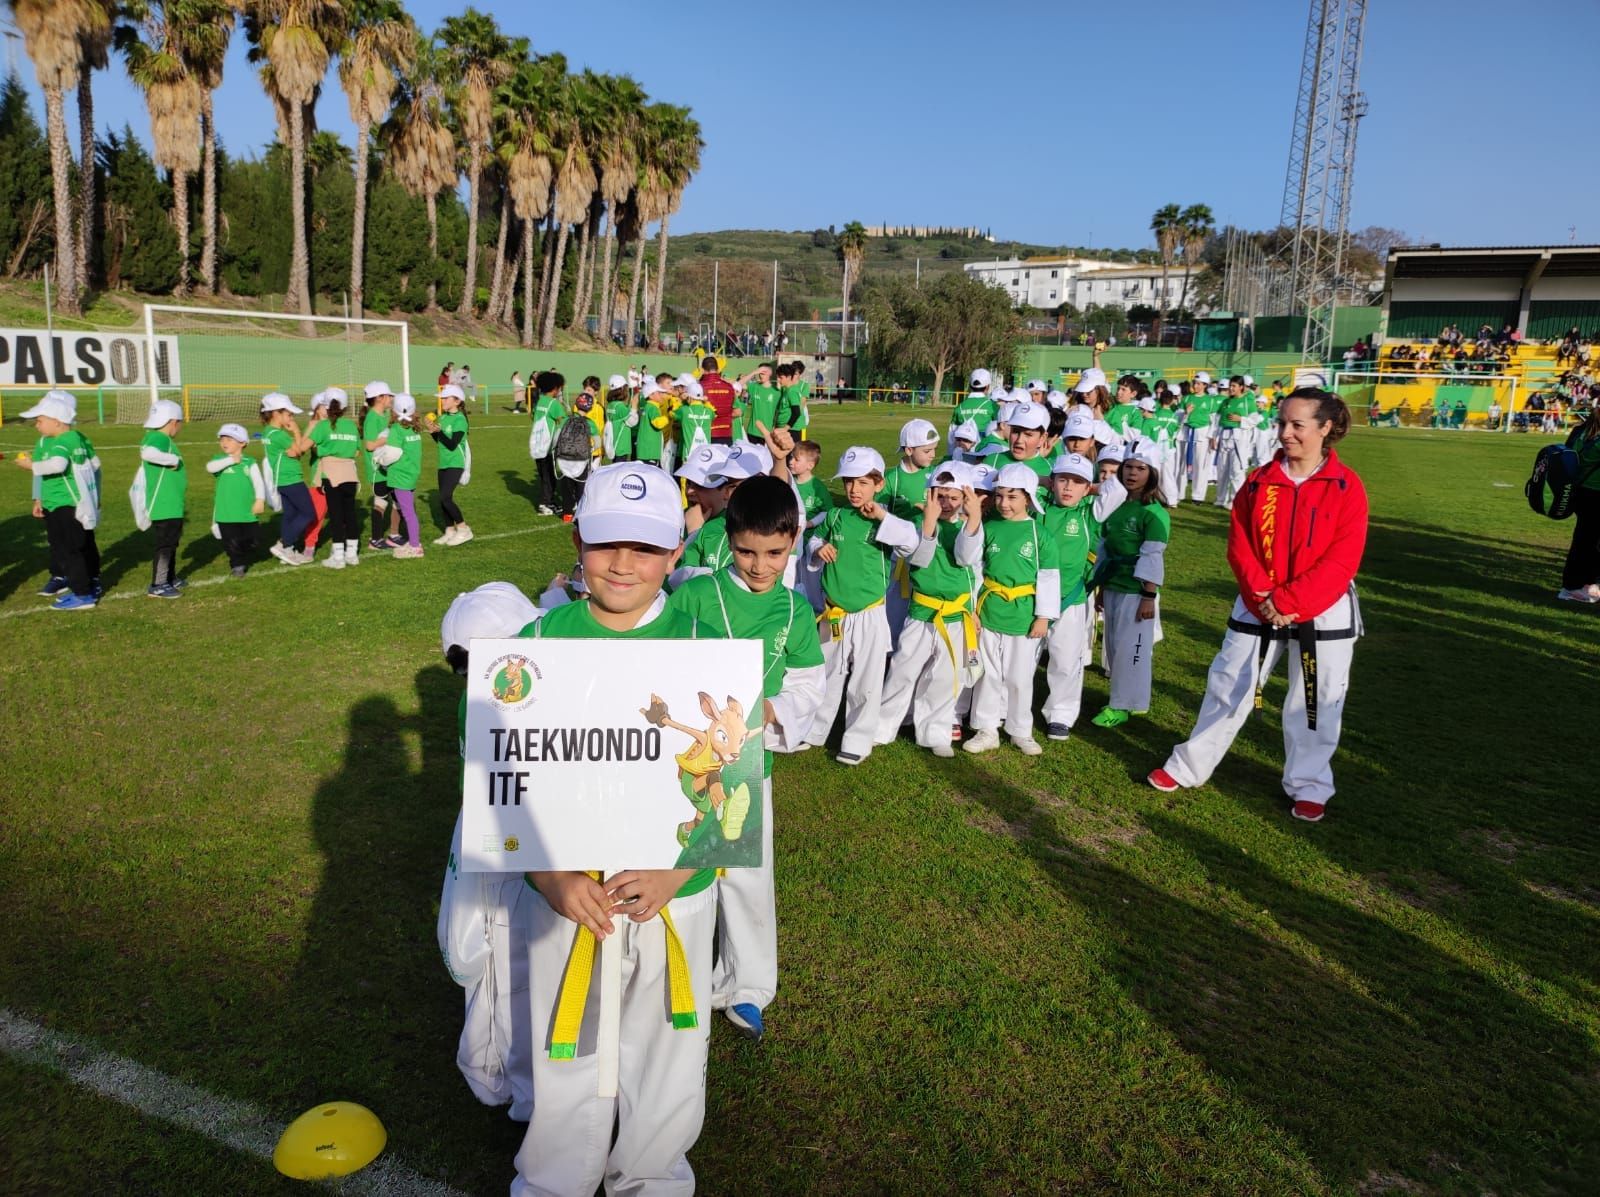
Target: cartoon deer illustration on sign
[[700, 766]]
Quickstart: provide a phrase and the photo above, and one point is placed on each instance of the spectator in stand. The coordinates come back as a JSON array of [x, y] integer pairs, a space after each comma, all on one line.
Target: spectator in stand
[[719, 393], [822, 344]]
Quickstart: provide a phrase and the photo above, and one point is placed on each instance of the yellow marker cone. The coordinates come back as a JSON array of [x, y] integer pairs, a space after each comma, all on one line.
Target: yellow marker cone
[[332, 1139]]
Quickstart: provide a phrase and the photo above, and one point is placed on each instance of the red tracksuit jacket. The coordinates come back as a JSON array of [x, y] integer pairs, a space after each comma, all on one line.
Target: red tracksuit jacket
[[1302, 544]]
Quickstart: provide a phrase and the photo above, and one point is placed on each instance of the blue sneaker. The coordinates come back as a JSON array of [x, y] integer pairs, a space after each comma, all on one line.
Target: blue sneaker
[[54, 587], [163, 592], [747, 1018], [179, 583], [73, 602]]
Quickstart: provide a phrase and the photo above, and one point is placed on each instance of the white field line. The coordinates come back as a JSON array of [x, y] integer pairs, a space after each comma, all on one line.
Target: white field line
[[367, 558], [224, 1120]]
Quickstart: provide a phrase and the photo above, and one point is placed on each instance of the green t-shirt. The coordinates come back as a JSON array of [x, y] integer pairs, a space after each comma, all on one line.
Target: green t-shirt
[[980, 409], [60, 490], [1201, 409], [1075, 532], [766, 405], [814, 494], [165, 487], [647, 436], [1128, 527], [1160, 426], [572, 621], [859, 578], [550, 411], [450, 423], [275, 460], [1014, 551], [942, 578], [694, 426], [1235, 410], [236, 494], [336, 438], [617, 412], [1121, 416], [905, 491], [373, 425], [405, 473], [709, 549], [798, 396]]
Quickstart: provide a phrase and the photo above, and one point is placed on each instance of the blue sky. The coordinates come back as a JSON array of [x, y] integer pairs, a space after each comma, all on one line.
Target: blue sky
[[1066, 123]]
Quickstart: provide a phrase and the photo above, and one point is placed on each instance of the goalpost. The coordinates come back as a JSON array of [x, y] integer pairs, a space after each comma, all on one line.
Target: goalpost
[[1429, 400], [230, 358]]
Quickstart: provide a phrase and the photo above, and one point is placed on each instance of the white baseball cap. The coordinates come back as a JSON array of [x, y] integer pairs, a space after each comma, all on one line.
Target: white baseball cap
[[683, 380], [1144, 449], [858, 461], [1029, 415], [1148, 403], [950, 473], [964, 431], [1174, 389], [980, 379], [236, 431], [337, 395], [493, 610], [1056, 399], [1103, 432], [746, 460], [983, 478], [696, 391], [1112, 452], [1074, 465], [616, 383], [451, 391], [649, 387], [1018, 476], [704, 466], [1037, 384], [630, 501], [999, 393], [916, 433], [320, 399], [1080, 422], [162, 411], [1200, 376], [375, 388], [278, 401], [57, 405], [404, 405], [1249, 380]]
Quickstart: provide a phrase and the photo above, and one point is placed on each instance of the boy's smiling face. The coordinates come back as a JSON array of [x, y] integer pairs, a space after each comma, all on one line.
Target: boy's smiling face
[[760, 560], [624, 578], [1011, 503]]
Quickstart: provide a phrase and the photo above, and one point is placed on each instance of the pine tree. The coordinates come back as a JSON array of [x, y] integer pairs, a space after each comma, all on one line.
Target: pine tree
[[140, 245], [27, 235]]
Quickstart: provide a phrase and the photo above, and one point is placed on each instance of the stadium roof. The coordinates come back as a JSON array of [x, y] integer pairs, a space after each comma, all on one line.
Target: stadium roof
[[1435, 261]]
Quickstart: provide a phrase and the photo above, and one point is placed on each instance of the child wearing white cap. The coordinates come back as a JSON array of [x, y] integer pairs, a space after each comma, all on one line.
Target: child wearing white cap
[[693, 419], [374, 431], [337, 441], [549, 414], [1235, 432], [66, 497], [166, 487], [977, 407], [1073, 523], [449, 432], [709, 484], [1200, 446], [282, 447], [904, 492], [240, 498], [484, 919], [628, 528], [1020, 595], [622, 416], [938, 646], [1028, 431], [1161, 425], [403, 454], [649, 434], [1124, 417], [1130, 573], [854, 548]]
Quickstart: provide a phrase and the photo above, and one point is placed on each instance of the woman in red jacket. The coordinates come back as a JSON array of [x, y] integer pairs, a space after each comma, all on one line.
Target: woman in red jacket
[[1298, 531]]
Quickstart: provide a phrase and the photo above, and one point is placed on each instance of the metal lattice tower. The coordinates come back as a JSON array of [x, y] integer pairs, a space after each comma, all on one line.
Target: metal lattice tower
[[1322, 156]]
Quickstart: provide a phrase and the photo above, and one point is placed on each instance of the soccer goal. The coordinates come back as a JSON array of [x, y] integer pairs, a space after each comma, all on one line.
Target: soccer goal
[[803, 336], [1390, 399], [229, 359]]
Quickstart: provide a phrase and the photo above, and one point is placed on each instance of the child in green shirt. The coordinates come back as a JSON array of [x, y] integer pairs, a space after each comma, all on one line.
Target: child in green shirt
[[402, 457], [549, 413], [241, 497], [374, 431], [622, 416], [283, 446], [1130, 574], [166, 486], [66, 497], [449, 432]]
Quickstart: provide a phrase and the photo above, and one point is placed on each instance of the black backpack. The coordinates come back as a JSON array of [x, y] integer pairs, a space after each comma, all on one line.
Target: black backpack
[[1558, 470], [573, 442]]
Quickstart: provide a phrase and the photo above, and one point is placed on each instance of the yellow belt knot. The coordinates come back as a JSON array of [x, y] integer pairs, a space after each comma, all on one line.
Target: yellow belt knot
[[1010, 593]]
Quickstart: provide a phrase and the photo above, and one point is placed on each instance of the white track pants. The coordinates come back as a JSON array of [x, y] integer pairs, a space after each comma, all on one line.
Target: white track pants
[[747, 927], [1233, 463], [1171, 479], [1130, 646], [495, 1051], [1198, 463], [1004, 694], [1068, 645], [661, 1098], [1266, 444], [1230, 697], [922, 684], [857, 656], [895, 607]]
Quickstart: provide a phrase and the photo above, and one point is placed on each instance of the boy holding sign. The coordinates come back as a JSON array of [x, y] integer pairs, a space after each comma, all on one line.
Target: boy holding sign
[[628, 529]]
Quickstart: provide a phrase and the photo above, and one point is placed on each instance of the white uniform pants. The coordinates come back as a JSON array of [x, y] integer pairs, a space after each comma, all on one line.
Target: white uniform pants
[[669, 455], [858, 654], [661, 1090], [747, 927], [1230, 697], [922, 684], [895, 606], [1067, 645], [1130, 645], [1197, 471], [495, 1051], [1171, 479], [1266, 444], [1232, 465], [1005, 691]]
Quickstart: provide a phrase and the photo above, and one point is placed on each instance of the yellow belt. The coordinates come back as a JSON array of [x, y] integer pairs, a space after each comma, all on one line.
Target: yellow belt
[[902, 574], [580, 968], [1010, 593], [833, 615], [942, 610]]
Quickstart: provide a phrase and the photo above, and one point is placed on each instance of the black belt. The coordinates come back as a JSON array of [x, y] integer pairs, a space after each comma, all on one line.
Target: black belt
[[1307, 636]]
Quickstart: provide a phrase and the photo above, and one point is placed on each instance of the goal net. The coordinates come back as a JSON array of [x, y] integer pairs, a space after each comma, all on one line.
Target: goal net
[[227, 360], [1389, 399]]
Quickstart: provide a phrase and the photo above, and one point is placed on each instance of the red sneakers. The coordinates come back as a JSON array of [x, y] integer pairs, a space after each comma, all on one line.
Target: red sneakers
[[1308, 812], [1162, 780]]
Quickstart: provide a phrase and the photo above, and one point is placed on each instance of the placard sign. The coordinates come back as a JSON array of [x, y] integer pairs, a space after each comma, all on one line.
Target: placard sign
[[612, 754], [36, 358]]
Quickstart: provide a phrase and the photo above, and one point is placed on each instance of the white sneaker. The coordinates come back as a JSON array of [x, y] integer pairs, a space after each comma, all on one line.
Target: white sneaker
[[304, 558], [352, 552], [943, 750], [1577, 596], [1026, 745], [982, 741], [335, 559], [1593, 591], [282, 554], [449, 536], [463, 534]]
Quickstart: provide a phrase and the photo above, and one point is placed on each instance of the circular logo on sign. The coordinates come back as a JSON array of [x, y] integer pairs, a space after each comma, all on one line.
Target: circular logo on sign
[[511, 681], [632, 487]]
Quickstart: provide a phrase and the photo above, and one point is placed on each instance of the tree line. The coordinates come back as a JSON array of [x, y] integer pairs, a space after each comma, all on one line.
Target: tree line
[[555, 163]]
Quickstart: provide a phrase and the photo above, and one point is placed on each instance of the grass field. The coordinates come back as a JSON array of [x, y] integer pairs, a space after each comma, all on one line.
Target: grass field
[[224, 821]]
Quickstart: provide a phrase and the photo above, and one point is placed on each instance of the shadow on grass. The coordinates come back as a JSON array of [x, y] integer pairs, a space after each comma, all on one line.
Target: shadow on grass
[[24, 555], [1379, 1053], [524, 486]]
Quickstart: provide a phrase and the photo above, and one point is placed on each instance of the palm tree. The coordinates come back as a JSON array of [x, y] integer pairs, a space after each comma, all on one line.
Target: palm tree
[[852, 248], [677, 157], [295, 39], [202, 33], [422, 149], [1195, 225], [618, 108], [525, 106], [149, 46], [96, 40], [575, 183], [480, 58], [53, 33], [379, 41], [1165, 224]]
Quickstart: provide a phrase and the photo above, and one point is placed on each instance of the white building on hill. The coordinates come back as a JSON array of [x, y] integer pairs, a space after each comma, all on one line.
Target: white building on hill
[[1048, 282], [1125, 286]]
